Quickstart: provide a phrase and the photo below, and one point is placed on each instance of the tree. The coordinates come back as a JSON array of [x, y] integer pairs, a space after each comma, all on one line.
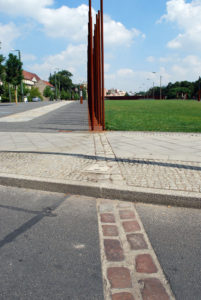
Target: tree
[[2, 74], [65, 95], [48, 92], [2, 67], [84, 91], [62, 80], [34, 92], [14, 75]]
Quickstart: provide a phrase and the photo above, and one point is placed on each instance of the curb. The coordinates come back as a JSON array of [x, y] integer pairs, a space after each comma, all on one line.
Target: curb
[[144, 195]]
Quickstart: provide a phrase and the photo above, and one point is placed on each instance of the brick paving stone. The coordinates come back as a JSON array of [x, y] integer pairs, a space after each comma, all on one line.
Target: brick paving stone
[[137, 241], [123, 296], [126, 214], [152, 289], [119, 277], [107, 218], [145, 264], [110, 230], [130, 226], [113, 250]]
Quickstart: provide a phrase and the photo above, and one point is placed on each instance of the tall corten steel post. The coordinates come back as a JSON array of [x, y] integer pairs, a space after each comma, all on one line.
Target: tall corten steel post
[[96, 70]]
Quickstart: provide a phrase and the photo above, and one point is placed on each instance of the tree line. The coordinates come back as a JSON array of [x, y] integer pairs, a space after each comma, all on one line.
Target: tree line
[[12, 86], [65, 89], [177, 90]]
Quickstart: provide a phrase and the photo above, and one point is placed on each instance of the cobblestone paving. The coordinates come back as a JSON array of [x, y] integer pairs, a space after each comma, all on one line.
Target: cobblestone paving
[[94, 158], [130, 268]]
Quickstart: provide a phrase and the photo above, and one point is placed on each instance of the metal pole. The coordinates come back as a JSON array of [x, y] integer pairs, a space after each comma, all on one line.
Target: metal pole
[[153, 90], [160, 87], [199, 91], [21, 84], [102, 52], [91, 67], [55, 82]]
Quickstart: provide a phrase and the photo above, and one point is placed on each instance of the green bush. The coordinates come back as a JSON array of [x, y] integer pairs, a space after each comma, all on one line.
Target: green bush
[[48, 92], [34, 92], [65, 95]]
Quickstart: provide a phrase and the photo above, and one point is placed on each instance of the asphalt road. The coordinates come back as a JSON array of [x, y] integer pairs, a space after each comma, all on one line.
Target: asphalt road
[[49, 246], [175, 234], [71, 117], [7, 109]]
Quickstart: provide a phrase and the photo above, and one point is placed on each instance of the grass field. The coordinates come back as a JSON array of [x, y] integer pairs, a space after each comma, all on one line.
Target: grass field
[[154, 115]]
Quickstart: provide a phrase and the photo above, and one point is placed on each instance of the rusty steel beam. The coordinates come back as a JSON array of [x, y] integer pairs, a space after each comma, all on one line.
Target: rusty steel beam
[[96, 70], [102, 62]]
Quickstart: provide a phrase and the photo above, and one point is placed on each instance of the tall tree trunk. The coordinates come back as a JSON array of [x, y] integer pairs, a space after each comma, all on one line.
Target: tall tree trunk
[[16, 94]]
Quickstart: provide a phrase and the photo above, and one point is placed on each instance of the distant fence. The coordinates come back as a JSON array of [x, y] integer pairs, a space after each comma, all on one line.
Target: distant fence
[[124, 97], [131, 98]]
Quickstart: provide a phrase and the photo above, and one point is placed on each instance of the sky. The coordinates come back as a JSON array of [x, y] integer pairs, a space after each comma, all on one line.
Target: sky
[[144, 40]]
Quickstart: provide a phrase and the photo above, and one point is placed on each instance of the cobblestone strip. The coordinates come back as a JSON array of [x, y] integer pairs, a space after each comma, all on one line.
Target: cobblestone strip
[[130, 268], [103, 151]]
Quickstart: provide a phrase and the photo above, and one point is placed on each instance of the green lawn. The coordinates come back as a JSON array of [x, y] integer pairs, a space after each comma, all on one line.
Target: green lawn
[[153, 115]]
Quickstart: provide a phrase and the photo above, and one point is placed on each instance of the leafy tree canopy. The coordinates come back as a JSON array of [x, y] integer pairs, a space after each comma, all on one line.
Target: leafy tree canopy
[[2, 68], [13, 68], [62, 80]]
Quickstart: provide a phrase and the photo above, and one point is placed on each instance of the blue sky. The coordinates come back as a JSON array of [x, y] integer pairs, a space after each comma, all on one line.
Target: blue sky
[[141, 37]]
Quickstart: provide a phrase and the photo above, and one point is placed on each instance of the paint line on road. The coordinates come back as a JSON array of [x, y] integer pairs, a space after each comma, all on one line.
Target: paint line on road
[[33, 113]]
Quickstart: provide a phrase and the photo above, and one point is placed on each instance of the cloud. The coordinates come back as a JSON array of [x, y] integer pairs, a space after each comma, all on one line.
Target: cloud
[[187, 68], [125, 72], [73, 58], [23, 7], [65, 22], [116, 33], [28, 57], [187, 17], [150, 59], [69, 23], [8, 34]]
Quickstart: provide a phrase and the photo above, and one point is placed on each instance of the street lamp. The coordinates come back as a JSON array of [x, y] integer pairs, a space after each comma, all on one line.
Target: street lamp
[[21, 84], [148, 88], [153, 86], [160, 87], [199, 91], [57, 69], [55, 83]]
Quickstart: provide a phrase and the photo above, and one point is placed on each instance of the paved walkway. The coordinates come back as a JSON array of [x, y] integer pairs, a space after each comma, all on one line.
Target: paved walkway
[[136, 166], [44, 117], [141, 162], [33, 113]]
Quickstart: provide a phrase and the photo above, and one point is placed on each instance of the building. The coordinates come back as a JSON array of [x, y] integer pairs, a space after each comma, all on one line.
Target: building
[[33, 80], [115, 92], [30, 79]]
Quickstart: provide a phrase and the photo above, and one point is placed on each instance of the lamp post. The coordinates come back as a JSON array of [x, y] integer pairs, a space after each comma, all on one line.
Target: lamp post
[[55, 82], [58, 91], [21, 84], [148, 89], [199, 91], [153, 86], [160, 87]]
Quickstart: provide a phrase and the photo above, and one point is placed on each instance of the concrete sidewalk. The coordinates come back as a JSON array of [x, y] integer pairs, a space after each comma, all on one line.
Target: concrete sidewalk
[[137, 166]]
